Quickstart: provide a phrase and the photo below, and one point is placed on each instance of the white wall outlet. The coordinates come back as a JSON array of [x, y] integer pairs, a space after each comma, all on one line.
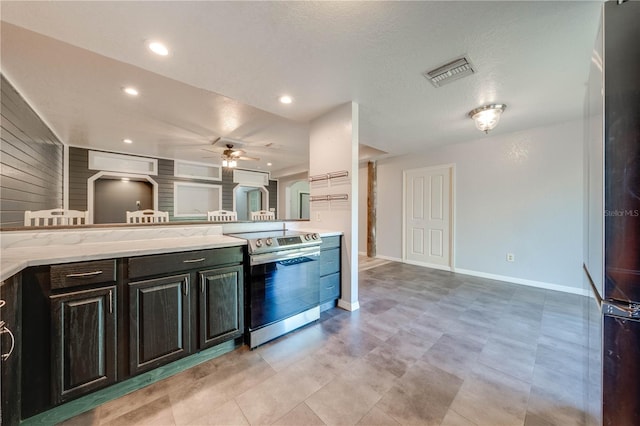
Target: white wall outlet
[[511, 257]]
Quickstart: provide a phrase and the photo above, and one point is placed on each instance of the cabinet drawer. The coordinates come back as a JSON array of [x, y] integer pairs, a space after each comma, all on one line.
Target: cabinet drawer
[[330, 242], [329, 287], [183, 261], [83, 273], [329, 261]]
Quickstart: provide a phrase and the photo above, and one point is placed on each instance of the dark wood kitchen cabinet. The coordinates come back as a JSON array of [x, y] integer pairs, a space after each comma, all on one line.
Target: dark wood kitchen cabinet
[[88, 325], [10, 349], [83, 303], [159, 326], [83, 342], [221, 302], [182, 300], [70, 332]]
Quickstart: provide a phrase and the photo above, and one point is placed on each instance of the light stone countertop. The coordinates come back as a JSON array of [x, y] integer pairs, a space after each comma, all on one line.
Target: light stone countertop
[[24, 249], [16, 259]]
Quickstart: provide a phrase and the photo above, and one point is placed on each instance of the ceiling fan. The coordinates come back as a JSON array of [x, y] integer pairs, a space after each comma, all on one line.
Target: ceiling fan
[[231, 155]]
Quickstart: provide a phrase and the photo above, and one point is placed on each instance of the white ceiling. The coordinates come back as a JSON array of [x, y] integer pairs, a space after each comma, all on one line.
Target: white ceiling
[[231, 61]]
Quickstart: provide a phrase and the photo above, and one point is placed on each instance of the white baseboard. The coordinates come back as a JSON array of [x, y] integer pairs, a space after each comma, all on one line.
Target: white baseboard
[[348, 306], [393, 259], [522, 281], [429, 265]]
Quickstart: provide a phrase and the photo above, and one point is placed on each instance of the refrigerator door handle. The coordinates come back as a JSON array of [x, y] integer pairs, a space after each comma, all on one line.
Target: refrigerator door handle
[[621, 309]]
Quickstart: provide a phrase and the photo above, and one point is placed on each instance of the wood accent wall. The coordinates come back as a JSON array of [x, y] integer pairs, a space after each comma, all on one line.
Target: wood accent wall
[[31, 160], [79, 173]]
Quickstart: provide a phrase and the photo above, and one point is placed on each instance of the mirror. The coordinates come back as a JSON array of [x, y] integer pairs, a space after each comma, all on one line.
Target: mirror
[[164, 132]]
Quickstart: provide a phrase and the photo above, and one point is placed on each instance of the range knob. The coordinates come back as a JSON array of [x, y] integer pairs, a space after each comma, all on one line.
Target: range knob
[[307, 237], [315, 236], [269, 241], [259, 242]]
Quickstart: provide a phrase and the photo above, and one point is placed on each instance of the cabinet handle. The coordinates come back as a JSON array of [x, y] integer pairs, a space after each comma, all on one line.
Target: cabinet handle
[[201, 284], [194, 260], [84, 274], [185, 287], [4, 329], [110, 301]]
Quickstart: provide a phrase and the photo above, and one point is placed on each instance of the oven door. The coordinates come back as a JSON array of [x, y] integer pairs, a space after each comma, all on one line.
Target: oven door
[[282, 284]]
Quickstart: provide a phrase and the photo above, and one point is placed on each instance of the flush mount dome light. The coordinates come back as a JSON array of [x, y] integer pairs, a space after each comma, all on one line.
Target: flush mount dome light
[[131, 91], [487, 116], [158, 48], [286, 99]]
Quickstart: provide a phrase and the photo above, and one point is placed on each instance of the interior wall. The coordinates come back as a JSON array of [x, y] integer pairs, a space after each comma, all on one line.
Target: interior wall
[[519, 193], [31, 157]]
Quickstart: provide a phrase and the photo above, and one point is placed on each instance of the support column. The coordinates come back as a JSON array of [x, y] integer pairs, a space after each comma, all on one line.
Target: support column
[[333, 147], [372, 185]]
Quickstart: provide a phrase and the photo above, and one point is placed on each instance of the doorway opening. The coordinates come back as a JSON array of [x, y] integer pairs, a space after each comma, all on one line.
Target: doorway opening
[[298, 199], [111, 195], [247, 199]]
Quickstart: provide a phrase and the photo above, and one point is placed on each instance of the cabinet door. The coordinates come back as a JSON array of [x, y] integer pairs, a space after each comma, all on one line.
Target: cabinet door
[[11, 350], [83, 344], [158, 322], [221, 305]]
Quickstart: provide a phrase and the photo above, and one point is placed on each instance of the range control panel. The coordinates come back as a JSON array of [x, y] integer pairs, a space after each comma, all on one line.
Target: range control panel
[[274, 243]]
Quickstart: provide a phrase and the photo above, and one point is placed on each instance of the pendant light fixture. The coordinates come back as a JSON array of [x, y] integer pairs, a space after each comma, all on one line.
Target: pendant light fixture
[[487, 116]]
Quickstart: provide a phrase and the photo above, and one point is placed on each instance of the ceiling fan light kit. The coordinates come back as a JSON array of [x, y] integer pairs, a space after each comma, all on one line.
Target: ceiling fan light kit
[[487, 117], [229, 163]]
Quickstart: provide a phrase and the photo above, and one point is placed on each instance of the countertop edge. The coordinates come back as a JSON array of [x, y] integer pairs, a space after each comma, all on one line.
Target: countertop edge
[[16, 260]]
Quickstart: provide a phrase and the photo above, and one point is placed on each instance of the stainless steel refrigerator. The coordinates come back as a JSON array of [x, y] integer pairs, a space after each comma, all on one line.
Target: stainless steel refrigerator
[[612, 226]]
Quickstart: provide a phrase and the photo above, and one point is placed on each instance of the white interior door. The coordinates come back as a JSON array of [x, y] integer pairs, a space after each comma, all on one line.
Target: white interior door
[[427, 217]]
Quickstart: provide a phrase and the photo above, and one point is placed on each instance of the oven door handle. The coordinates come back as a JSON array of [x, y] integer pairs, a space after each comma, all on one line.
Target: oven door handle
[[275, 256]]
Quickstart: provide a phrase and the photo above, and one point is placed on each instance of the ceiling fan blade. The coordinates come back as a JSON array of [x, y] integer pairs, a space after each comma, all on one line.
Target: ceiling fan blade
[[248, 158]]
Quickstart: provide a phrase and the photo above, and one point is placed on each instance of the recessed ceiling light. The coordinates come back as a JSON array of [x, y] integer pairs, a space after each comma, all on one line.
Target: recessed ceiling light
[[158, 48], [286, 99], [127, 141], [130, 91], [269, 164]]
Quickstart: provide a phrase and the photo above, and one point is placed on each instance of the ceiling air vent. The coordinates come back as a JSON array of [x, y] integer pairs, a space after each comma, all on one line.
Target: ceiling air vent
[[449, 72]]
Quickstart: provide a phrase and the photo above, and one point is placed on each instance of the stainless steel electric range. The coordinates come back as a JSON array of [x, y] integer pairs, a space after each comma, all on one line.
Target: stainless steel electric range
[[282, 283]]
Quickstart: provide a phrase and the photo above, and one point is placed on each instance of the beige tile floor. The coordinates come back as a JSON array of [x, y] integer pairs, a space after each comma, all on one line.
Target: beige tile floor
[[426, 348]]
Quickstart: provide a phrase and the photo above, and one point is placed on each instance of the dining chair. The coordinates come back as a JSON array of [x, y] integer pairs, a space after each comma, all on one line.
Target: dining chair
[[263, 215], [222, 216], [147, 216], [55, 217]]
